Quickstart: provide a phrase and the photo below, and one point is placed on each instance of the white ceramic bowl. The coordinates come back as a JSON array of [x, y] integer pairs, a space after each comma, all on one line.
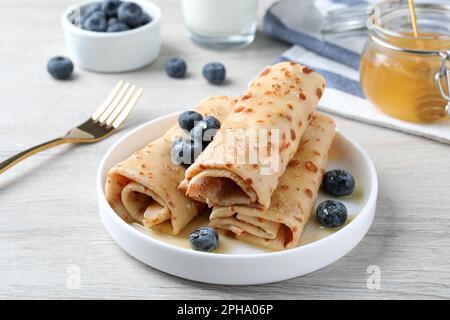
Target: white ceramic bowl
[[113, 52], [244, 265]]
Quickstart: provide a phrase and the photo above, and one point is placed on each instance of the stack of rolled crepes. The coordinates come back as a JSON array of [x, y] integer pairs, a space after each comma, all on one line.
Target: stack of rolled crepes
[[266, 202], [272, 209], [143, 188]]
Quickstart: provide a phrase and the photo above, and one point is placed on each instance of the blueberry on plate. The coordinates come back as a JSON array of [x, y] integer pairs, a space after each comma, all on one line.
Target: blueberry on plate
[[331, 213], [60, 67], [109, 7], [214, 73], [185, 151], [188, 119], [176, 68], [338, 182], [117, 27], [204, 239], [130, 13], [96, 22]]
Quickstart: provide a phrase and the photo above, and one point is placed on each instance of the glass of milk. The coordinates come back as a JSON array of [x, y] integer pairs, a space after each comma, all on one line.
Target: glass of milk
[[220, 24]]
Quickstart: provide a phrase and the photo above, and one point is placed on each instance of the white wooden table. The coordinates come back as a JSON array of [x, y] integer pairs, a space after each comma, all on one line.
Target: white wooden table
[[49, 225]]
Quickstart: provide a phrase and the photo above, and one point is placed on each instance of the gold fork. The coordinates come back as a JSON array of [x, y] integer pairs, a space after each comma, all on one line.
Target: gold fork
[[103, 122]]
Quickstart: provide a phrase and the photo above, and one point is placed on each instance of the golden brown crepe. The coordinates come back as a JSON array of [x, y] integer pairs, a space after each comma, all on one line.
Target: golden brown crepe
[[143, 188], [281, 226], [281, 99]]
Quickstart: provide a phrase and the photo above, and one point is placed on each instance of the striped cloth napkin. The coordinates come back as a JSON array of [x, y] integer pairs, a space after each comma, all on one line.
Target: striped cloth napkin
[[299, 22]]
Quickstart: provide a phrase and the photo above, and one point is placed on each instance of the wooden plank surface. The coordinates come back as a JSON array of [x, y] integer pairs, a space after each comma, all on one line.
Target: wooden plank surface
[[48, 215]]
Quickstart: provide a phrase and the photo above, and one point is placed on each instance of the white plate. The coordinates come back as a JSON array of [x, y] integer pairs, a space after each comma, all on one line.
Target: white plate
[[243, 264]]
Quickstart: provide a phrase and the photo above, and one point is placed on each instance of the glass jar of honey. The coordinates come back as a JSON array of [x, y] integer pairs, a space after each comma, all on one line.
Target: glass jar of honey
[[404, 74]]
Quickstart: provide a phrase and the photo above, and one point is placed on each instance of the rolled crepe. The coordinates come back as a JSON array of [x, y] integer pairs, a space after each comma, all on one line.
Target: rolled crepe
[[281, 226], [281, 100], [143, 188]]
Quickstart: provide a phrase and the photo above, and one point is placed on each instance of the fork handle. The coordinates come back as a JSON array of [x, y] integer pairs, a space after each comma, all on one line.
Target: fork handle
[[8, 163]]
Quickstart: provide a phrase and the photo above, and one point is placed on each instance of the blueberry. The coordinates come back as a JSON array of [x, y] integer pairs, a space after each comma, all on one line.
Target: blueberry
[[60, 67], [211, 122], [214, 73], [204, 239], [338, 182], [145, 19], [212, 126], [205, 130], [196, 134], [117, 27], [112, 21], [331, 213], [188, 119], [185, 151], [109, 7], [130, 13], [96, 22], [86, 11], [176, 68]]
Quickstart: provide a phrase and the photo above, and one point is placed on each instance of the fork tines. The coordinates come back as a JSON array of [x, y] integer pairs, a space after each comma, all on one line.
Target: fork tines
[[118, 105]]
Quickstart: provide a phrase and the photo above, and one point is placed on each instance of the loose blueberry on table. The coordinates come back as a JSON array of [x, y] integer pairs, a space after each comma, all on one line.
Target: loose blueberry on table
[[113, 16], [214, 73], [175, 68], [338, 182], [204, 239], [331, 214], [60, 68]]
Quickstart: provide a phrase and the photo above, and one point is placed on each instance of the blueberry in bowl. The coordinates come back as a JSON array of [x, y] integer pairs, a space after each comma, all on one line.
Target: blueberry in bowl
[[117, 27], [97, 17], [109, 7], [87, 10], [96, 21], [131, 14], [204, 239], [111, 35], [145, 19]]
